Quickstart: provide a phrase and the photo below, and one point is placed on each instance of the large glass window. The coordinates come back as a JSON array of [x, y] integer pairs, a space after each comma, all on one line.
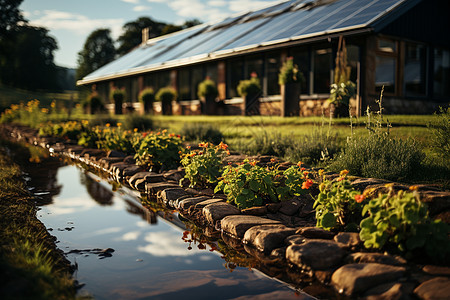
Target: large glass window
[[385, 74], [441, 74], [184, 84], [386, 66], [197, 77], [321, 70], [302, 59], [235, 73], [273, 68], [415, 69]]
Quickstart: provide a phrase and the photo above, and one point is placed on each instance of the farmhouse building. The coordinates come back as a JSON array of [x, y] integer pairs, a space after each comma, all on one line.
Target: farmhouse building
[[403, 45]]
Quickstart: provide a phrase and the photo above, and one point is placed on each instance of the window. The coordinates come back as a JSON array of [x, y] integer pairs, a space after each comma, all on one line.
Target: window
[[273, 68], [197, 77], [184, 84], [235, 74], [415, 69], [441, 74], [386, 66], [321, 71], [302, 60]]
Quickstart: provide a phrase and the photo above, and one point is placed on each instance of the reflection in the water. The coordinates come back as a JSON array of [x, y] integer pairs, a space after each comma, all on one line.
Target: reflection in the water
[[99, 193], [154, 256]]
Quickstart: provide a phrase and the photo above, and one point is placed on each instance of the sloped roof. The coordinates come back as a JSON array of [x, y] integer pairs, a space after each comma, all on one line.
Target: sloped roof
[[274, 25]]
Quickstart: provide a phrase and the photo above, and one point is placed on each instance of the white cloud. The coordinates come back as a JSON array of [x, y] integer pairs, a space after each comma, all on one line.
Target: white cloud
[[131, 1], [130, 236], [76, 23], [163, 244], [219, 3], [191, 9], [246, 5], [156, 1], [141, 8]]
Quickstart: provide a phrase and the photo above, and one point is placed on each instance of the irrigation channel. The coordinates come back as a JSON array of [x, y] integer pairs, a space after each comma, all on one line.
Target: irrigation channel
[[123, 250]]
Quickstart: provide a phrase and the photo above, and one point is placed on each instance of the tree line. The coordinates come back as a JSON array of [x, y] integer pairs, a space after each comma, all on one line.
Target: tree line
[[99, 48], [27, 52]]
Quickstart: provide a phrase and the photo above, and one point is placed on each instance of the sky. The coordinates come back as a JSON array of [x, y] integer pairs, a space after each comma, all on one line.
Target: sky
[[71, 21]]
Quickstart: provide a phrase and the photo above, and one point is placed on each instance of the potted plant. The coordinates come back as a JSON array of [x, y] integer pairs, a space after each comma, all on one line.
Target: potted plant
[[166, 95], [118, 96], [250, 91], [94, 104], [207, 92], [147, 97], [342, 89], [290, 80]]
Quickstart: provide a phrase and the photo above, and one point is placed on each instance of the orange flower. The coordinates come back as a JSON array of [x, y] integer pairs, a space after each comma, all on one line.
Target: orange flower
[[253, 163], [299, 163], [223, 146], [307, 184], [343, 172], [359, 198], [188, 147], [171, 134], [228, 152], [107, 125], [305, 173], [302, 169], [413, 188], [193, 154], [273, 160]]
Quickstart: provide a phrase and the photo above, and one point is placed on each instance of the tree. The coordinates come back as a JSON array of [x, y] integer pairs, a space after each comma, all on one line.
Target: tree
[[132, 33], [10, 16], [98, 50]]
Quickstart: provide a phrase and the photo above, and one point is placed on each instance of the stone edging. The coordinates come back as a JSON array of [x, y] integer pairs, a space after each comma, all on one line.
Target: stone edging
[[281, 233]]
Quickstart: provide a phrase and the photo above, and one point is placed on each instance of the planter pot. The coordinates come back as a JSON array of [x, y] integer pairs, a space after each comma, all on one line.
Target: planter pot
[[339, 110], [290, 98], [250, 107], [118, 107], [148, 107], [166, 107], [208, 105]]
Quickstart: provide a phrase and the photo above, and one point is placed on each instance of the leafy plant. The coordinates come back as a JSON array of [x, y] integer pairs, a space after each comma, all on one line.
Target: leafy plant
[[251, 87], [342, 89], [340, 93], [94, 104], [297, 180], [159, 151], [166, 94], [249, 185], [338, 205], [118, 95], [203, 166], [147, 97], [440, 133], [116, 138], [401, 220], [207, 88], [289, 72]]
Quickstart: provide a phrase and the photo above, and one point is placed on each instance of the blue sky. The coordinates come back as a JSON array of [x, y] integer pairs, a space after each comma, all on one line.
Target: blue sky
[[71, 21]]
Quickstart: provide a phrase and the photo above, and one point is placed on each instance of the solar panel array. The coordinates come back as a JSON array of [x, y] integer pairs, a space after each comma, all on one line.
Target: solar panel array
[[290, 20]]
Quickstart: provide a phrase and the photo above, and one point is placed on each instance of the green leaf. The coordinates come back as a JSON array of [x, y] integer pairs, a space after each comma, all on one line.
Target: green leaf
[[328, 220], [254, 185]]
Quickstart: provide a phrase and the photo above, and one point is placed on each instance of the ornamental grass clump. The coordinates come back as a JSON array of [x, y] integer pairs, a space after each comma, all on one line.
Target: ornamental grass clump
[[147, 97], [440, 133], [203, 166], [400, 221], [338, 205], [159, 151]]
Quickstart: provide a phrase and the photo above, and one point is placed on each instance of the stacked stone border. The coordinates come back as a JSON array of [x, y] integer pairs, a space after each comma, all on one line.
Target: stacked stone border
[[279, 233]]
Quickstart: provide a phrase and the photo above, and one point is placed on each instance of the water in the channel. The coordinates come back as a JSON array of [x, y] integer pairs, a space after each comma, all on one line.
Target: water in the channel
[[145, 256]]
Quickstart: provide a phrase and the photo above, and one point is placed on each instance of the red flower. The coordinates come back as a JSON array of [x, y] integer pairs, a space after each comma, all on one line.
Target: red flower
[[253, 163], [359, 198], [307, 184], [144, 134]]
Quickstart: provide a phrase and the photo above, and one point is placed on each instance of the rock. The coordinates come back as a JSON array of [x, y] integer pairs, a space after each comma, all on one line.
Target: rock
[[295, 239], [437, 270], [436, 288], [89, 153], [129, 159], [255, 211], [265, 238], [315, 254], [278, 253], [290, 207], [352, 279], [188, 202], [237, 225], [153, 178], [290, 221], [273, 207], [138, 180], [437, 201], [106, 162], [316, 233], [217, 211], [349, 239], [75, 149], [117, 168], [114, 153], [173, 175], [387, 291], [171, 194], [386, 259], [132, 170], [361, 183], [154, 188], [206, 202]]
